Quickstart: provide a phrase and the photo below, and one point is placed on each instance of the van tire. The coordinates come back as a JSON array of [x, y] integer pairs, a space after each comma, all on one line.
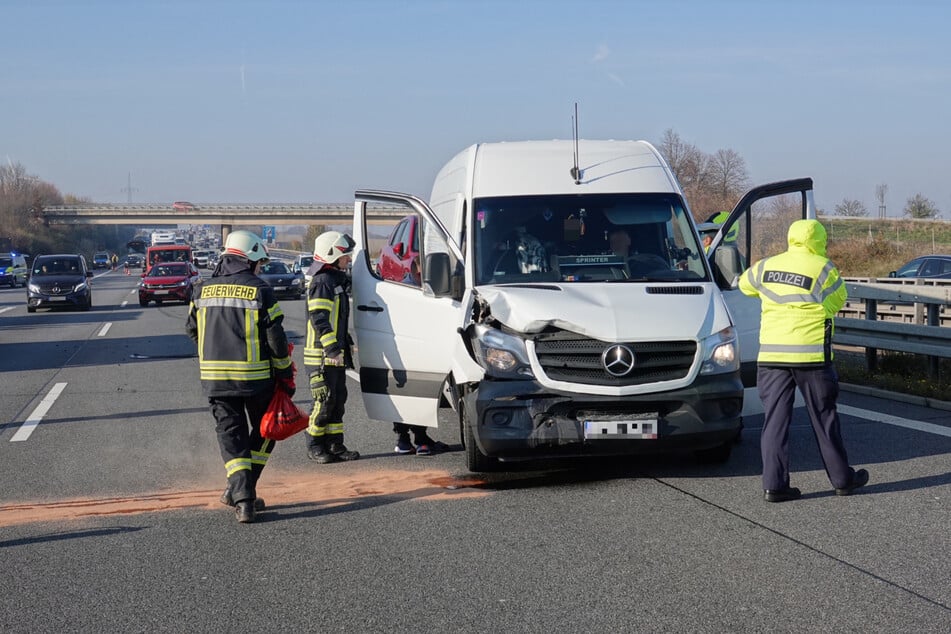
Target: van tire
[[31, 309], [476, 461]]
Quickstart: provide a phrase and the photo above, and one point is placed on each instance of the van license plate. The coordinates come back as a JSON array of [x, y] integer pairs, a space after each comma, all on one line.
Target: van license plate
[[625, 429], [55, 299], [161, 292]]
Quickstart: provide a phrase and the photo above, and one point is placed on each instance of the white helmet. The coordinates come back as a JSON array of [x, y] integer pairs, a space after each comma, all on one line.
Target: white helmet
[[247, 245], [330, 246]]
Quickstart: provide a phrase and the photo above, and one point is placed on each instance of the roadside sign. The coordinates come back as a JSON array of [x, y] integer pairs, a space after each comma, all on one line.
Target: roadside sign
[[268, 233]]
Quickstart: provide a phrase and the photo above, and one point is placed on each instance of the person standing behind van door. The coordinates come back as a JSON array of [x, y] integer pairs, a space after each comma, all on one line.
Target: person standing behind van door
[[801, 292], [327, 349]]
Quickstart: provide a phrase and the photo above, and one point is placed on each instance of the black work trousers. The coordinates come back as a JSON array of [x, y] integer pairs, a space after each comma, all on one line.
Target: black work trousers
[[245, 452], [820, 389]]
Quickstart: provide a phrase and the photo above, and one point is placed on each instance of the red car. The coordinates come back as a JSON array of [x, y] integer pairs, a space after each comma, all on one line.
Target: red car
[[401, 248], [183, 205], [168, 282]]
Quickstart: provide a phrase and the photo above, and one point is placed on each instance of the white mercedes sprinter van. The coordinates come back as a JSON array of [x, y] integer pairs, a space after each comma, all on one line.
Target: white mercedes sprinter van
[[562, 311]]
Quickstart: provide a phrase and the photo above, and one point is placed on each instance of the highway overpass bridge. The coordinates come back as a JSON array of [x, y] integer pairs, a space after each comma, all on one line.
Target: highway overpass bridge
[[226, 215]]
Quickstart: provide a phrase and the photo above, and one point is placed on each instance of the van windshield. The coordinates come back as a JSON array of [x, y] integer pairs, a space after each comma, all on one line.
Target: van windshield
[[56, 266], [585, 238]]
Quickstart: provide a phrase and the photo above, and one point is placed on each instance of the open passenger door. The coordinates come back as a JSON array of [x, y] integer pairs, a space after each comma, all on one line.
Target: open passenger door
[[755, 229], [406, 329]]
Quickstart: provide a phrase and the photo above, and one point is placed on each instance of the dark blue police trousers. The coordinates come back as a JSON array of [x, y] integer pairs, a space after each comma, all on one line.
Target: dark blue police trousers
[[820, 389]]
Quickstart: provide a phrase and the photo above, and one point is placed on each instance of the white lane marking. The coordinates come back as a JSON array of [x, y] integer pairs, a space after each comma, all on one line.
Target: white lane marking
[[34, 419], [124, 304], [898, 421], [353, 375], [133, 291], [105, 329], [3, 310]]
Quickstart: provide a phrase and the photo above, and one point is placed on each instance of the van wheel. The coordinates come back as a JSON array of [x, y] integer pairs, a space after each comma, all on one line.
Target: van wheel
[[31, 309], [476, 461], [715, 455], [143, 303]]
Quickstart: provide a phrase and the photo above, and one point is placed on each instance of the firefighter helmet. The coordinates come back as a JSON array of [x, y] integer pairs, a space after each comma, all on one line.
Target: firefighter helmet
[[330, 246], [247, 245]]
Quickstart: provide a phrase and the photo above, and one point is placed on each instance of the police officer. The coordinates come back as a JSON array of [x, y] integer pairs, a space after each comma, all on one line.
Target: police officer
[[801, 292], [327, 353], [242, 354]]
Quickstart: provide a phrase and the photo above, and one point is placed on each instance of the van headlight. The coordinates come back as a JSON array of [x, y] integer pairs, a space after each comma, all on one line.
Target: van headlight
[[33, 288], [720, 353], [501, 354], [79, 287]]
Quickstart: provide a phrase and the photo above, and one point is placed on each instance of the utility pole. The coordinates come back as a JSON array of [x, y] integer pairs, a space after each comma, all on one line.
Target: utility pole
[[880, 192], [128, 189]]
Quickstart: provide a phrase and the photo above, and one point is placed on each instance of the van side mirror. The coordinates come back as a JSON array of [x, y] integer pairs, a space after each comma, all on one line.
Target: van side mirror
[[398, 249], [439, 279], [88, 273]]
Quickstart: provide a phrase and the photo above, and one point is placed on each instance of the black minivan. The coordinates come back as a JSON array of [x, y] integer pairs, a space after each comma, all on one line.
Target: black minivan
[[59, 280]]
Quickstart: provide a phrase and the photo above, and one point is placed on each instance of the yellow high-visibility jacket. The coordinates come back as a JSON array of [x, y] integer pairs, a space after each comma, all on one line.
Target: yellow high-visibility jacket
[[801, 292]]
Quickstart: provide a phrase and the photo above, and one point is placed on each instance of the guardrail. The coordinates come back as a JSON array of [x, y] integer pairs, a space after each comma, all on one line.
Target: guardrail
[[926, 336]]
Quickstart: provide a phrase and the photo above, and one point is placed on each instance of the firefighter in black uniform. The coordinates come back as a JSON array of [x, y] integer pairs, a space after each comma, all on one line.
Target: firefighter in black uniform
[[327, 352], [242, 356]]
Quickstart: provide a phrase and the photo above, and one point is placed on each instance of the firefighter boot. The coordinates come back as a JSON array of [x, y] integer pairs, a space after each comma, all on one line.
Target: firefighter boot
[[317, 451], [340, 452], [228, 501], [244, 512]]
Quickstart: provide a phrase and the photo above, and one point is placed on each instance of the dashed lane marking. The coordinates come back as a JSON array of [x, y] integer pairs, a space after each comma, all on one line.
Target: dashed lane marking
[[105, 329], [124, 304], [3, 310], [34, 419]]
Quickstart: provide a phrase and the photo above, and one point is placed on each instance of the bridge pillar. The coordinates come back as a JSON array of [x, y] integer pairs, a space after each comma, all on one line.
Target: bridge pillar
[[225, 230]]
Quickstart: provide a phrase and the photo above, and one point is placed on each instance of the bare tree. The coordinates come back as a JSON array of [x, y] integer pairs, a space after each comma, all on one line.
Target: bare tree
[[851, 207], [920, 207], [727, 174], [687, 162]]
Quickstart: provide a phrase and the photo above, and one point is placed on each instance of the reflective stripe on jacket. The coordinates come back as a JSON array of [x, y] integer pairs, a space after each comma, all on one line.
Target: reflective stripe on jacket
[[237, 325], [801, 292]]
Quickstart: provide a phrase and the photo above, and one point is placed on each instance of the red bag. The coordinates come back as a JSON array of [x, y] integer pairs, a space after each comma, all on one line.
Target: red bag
[[283, 418]]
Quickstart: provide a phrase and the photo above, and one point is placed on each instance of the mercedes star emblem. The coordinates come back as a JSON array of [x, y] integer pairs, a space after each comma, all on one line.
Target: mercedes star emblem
[[618, 360]]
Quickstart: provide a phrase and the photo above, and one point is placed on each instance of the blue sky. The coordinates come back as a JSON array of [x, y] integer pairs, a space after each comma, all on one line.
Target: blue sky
[[307, 101]]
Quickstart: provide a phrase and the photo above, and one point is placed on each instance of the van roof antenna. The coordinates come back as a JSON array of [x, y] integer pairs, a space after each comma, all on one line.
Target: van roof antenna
[[576, 170]]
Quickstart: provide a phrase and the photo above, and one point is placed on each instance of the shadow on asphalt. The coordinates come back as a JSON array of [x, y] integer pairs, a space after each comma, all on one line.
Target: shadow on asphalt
[[56, 537]]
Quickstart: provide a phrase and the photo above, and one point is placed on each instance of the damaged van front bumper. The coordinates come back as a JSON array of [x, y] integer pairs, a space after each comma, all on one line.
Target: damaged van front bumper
[[521, 419]]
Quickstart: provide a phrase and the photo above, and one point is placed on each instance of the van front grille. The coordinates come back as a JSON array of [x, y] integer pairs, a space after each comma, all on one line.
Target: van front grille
[[574, 358]]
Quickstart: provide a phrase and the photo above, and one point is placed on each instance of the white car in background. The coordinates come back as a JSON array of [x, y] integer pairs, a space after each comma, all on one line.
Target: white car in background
[[200, 258]]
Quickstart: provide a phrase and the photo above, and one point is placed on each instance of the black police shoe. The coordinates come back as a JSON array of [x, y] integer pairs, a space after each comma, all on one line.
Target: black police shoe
[[227, 500], [859, 479], [782, 495], [244, 511]]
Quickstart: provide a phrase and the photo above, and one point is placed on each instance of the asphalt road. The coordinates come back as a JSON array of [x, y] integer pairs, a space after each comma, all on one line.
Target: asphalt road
[[109, 519]]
